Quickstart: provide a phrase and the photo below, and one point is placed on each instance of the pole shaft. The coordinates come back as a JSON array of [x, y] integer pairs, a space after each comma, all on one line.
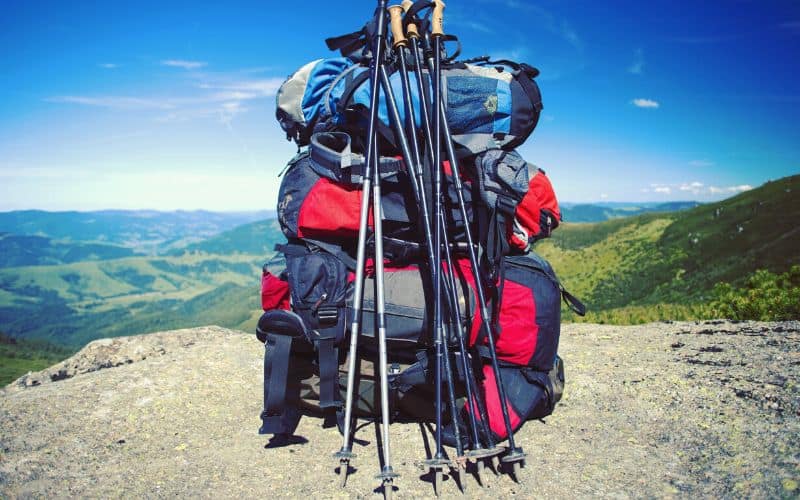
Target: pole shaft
[[437, 244]]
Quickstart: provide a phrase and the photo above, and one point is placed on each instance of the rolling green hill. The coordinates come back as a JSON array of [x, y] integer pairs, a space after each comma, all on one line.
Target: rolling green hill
[[255, 238], [664, 266], [75, 303], [648, 267]]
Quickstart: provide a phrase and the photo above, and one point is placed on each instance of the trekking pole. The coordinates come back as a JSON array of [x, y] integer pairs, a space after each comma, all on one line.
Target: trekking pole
[[515, 455], [438, 461], [411, 154], [345, 454], [473, 395]]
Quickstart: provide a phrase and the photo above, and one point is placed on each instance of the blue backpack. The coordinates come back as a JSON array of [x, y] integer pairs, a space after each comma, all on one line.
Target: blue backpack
[[489, 104]]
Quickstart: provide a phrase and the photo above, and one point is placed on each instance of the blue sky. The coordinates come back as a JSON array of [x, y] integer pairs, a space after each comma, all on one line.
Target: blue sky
[[170, 105]]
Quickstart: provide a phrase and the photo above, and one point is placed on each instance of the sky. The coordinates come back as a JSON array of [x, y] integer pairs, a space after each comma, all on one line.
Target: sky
[[170, 105]]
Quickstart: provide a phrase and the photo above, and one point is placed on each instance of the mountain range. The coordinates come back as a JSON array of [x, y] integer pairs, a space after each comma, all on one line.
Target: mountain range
[[598, 212]]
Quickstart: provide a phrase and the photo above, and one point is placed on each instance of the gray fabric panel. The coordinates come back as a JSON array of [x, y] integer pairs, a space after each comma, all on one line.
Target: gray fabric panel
[[290, 95]]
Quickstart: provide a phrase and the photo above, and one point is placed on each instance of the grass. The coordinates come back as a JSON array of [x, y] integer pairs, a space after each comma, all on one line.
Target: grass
[[20, 356]]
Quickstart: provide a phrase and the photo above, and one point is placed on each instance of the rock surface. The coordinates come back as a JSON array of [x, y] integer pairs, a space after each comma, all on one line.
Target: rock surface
[[709, 409]]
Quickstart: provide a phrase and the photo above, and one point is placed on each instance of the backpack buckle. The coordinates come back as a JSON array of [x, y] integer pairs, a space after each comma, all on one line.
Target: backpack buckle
[[327, 316]]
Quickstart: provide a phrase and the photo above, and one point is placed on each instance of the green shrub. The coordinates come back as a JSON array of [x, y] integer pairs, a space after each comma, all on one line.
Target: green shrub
[[766, 296]]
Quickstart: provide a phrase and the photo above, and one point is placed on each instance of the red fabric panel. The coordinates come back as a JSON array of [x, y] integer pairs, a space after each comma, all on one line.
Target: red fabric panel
[[540, 196], [493, 408], [274, 292], [446, 168], [518, 328], [330, 211]]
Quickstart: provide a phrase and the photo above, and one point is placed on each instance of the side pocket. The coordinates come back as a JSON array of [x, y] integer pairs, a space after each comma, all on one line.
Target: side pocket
[[318, 284]]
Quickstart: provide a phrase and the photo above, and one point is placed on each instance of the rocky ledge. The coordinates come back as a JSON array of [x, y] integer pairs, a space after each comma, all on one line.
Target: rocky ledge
[[663, 409]]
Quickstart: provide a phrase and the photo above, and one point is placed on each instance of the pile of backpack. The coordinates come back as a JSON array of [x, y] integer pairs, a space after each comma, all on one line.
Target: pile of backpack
[[493, 207]]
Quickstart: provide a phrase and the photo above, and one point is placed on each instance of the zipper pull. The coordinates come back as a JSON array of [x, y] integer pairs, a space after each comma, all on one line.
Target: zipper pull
[[318, 303]]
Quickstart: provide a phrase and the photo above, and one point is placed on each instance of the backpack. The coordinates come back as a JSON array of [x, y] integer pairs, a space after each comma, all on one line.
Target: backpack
[[517, 204], [490, 104], [529, 326]]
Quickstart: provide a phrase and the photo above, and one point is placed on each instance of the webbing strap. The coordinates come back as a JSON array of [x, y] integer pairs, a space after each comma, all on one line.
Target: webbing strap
[[351, 85], [328, 374]]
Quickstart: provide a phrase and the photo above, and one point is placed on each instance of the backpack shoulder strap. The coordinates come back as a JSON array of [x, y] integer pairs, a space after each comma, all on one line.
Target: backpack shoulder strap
[[280, 328]]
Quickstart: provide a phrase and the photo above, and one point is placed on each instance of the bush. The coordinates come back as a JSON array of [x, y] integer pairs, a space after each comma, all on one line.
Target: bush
[[766, 296]]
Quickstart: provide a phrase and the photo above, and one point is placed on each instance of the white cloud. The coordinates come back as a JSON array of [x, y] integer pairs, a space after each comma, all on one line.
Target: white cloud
[[476, 26], [545, 19], [603, 196], [181, 63], [730, 189], [246, 89], [115, 102], [663, 189], [701, 163], [218, 95], [515, 54], [213, 188], [108, 65], [695, 187], [637, 66], [645, 103]]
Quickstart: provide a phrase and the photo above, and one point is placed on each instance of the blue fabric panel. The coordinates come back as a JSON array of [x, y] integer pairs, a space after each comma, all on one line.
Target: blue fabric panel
[[361, 96], [469, 102], [502, 117], [321, 77]]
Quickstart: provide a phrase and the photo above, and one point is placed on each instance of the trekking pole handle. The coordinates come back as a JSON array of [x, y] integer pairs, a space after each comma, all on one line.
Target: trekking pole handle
[[412, 28], [437, 18], [396, 20]]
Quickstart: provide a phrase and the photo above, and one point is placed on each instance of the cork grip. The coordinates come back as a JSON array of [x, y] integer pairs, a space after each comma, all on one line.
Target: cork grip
[[412, 28], [396, 20], [437, 18]]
